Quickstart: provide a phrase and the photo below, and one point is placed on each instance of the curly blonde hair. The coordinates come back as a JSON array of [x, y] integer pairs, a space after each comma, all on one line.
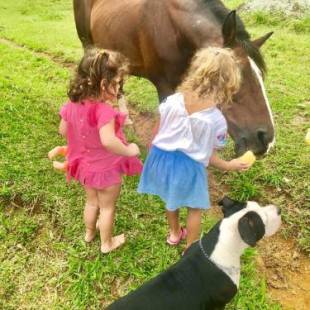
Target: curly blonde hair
[[96, 65], [213, 72]]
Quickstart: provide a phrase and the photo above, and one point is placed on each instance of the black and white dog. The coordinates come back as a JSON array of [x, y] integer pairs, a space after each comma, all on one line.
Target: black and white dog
[[207, 276]]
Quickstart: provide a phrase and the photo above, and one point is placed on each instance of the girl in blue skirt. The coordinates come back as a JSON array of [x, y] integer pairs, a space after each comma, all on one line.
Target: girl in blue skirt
[[190, 131]]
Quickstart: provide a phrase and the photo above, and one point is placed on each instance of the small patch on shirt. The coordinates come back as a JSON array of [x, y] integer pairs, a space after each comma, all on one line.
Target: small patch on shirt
[[222, 139]]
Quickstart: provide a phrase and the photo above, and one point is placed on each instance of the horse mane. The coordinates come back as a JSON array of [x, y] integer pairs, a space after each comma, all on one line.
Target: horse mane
[[220, 12]]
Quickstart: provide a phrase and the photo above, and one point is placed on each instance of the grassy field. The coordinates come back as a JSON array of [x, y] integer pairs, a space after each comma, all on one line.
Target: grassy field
[[44, 263]]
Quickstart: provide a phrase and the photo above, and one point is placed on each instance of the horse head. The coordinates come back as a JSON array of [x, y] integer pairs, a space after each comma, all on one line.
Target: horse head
[[250, 121]]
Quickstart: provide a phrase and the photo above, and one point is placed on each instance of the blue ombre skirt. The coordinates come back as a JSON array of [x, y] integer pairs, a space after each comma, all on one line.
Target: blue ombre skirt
[[179, 180]]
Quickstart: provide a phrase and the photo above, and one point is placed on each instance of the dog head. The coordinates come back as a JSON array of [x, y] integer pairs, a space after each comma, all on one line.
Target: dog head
[[252, 221]]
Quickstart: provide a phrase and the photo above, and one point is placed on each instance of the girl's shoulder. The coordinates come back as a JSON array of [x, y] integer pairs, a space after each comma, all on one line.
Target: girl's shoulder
[[175, 101], [69, 106], [174, 98], [211, 120], [94, 111], [213, 115], [102, 107], [106, 111], [65, 110], [103, 113]]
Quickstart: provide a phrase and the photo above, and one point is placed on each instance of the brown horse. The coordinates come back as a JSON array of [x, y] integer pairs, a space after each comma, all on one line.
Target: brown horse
[[160, 37]]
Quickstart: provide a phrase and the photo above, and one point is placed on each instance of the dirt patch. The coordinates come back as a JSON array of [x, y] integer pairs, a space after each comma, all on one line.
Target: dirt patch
[[51, 57], [287, 272], [299, 119], [16, 202], [143, 125]]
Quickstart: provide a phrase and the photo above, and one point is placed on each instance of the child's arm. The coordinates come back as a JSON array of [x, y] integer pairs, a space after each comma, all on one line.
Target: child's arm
[[232, 165], [154, 132], [63, 128], [114, 144], [122, 106]]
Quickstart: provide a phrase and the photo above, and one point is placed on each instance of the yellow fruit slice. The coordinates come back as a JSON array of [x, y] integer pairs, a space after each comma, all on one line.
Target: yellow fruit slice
[[307, 138], [248, 158]]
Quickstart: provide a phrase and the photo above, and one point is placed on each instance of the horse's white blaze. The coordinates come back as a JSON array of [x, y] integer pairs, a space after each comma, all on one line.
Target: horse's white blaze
[[261, 83]]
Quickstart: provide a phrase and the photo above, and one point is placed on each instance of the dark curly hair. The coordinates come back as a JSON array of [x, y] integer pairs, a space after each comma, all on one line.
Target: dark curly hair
[[95, 66]]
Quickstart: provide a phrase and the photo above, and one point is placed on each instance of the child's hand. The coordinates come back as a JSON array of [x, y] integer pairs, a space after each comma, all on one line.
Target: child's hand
[[237, 165], [133, 149]]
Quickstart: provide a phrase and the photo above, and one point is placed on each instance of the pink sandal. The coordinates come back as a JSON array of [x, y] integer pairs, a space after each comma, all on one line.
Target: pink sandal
[[182, 236]]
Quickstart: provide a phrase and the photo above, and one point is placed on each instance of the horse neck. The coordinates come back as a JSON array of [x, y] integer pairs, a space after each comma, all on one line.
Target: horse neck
[[213, 13], [201, 22]]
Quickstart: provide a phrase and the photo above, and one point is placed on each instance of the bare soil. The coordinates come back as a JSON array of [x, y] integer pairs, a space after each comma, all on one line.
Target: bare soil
[[287, 271], [143, 125]]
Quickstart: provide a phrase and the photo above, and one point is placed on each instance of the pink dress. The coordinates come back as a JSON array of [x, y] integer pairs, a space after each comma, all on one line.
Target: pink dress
[[88, 161]]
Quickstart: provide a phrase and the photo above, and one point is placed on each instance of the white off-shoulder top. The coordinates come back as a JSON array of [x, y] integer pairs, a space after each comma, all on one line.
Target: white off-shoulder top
[[196, 135]]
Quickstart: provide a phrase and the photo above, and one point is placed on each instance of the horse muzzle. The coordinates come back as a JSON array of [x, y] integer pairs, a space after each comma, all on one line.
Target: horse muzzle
[[259, 141]]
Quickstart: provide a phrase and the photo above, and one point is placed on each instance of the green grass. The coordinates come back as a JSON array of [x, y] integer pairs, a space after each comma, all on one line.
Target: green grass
[[44, 262], [234, 4], [142, 94], [42, 26], [42, 252], [299, 25], [48, 26]]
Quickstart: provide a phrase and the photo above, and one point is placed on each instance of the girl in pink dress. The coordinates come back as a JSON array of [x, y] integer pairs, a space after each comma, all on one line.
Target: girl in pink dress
[[98, 153]]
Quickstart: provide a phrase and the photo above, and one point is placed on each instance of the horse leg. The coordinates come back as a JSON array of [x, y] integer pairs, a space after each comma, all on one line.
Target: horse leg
[[164, 89]]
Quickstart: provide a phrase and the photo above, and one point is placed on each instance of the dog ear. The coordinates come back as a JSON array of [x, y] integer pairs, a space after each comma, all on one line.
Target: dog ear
[[230, 206], [251, 228], [226, 202]]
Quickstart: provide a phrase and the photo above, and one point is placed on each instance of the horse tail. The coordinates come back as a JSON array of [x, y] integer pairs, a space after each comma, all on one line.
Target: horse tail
[[82, 9]]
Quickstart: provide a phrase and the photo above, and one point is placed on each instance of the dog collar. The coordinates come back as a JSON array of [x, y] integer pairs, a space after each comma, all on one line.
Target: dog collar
[[232, 272]]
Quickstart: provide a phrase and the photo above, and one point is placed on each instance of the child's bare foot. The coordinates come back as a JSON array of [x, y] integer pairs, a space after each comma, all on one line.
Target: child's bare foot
[[115, 243], [90, 235]]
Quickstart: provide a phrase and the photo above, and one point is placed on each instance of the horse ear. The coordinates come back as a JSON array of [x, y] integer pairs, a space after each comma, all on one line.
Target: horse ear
[[260, 41], [229, 29], [230, 206], [226, 202]]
